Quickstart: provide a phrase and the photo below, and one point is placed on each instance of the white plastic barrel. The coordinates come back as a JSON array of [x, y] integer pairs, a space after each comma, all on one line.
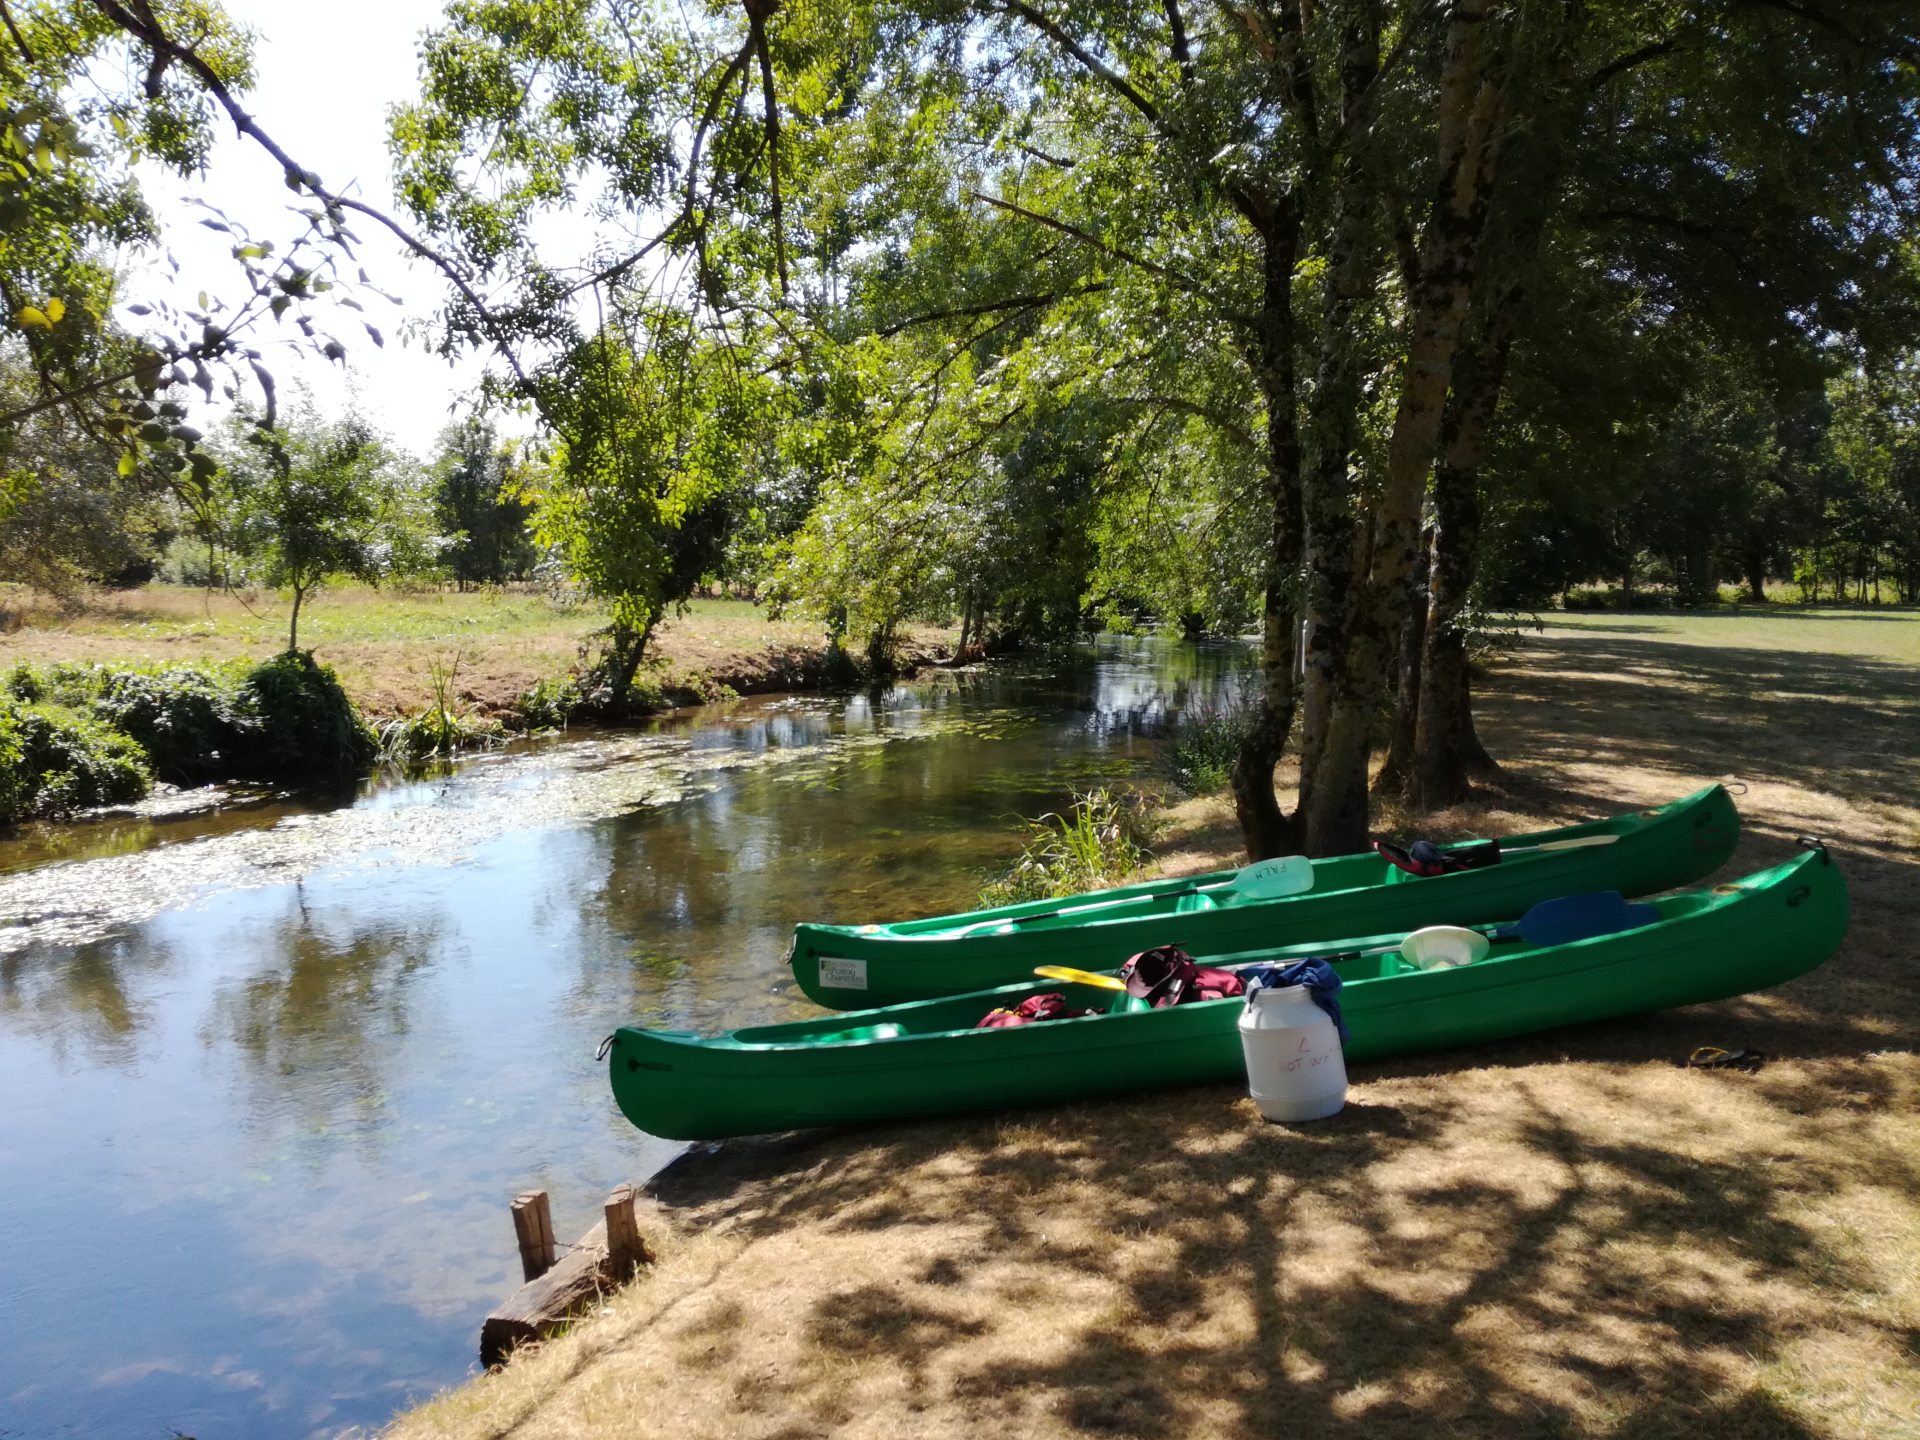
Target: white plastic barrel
[[1295, 1070]]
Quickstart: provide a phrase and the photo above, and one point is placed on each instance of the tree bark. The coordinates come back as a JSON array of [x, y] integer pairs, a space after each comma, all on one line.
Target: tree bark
[[1472, 116], [1331, 534], [1264, 827], [1396, 773], [1446, 750]]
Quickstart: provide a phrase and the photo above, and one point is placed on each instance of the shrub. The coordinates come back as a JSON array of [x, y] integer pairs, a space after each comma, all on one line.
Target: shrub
[[551, 704], [1101, 838], [55, 761], [187, 721], [1199, 752], [23, 684], [298, 723]]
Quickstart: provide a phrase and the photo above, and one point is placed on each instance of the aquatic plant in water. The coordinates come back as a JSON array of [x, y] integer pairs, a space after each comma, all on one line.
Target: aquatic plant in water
[[1100, 839]]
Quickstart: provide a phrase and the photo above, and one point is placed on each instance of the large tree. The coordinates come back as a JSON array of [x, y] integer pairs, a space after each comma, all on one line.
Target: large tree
[[1314, 228]]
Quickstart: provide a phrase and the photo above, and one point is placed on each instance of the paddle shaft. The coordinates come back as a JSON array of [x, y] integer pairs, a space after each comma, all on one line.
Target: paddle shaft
[[1018, 920], [1578, 842]]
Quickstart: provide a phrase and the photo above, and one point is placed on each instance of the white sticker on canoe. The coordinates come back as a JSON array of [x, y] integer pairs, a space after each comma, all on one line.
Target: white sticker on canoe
[[842, 974]]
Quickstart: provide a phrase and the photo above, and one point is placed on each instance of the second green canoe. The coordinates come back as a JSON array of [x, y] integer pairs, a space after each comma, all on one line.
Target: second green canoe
[[855, 967], [927, 1058]]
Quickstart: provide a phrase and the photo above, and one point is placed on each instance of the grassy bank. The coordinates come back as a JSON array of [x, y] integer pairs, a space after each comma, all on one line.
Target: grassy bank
[[1562, 1235], [386, 645]]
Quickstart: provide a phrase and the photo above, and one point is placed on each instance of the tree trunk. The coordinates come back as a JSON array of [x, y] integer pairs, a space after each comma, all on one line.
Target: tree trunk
[[1332, 537], [1396, 774], [1445, 747], [1264, 827], [1472, 114], [293, 624], [629, 647]]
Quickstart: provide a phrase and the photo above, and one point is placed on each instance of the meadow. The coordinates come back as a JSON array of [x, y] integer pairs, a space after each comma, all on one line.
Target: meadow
[[386, 644]]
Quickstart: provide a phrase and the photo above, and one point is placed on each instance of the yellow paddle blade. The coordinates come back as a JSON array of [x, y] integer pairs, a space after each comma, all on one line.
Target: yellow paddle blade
[[1078, 977]]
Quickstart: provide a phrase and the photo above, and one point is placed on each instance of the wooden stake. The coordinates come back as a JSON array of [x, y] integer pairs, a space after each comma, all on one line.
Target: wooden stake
[[533, 1228], [626, 1251]]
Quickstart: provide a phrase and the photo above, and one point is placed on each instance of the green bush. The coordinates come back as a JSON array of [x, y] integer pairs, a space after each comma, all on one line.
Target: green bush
[[1102, 837], [298, 724], [23, 684], [1199, 752], [550, 704], [186, 720], [54, 761]]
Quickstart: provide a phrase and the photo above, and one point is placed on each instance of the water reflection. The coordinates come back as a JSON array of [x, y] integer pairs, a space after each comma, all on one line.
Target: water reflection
[[260, 1133]]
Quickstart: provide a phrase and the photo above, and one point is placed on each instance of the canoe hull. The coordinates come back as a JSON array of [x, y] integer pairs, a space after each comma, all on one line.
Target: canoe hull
[[1756, 933], [862, 967]]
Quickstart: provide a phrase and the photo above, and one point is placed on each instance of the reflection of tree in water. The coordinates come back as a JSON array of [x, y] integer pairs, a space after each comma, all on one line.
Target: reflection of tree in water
[[322, 1015], [86, 994]]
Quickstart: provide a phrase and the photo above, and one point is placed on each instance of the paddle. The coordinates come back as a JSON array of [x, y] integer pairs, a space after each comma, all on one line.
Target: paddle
[[1079, 977], [1578, 842], [1262, 880], [1578, 917]]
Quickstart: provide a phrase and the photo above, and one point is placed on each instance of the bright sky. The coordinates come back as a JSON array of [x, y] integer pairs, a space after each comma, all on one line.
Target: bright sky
[[326, 76]]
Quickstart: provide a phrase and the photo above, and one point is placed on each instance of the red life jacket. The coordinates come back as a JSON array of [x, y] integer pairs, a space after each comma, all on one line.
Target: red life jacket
[[1030, 1010]]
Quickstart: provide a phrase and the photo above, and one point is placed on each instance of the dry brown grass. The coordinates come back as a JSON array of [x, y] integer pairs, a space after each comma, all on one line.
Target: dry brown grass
[[1560, 1236], [385, 643]]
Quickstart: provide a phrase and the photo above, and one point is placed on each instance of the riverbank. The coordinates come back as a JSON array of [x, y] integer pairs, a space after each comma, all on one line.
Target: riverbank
[[1566, 1234], [387, 646]]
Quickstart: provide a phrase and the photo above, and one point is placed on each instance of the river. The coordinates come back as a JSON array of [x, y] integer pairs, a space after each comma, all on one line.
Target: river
[[272, 1073]]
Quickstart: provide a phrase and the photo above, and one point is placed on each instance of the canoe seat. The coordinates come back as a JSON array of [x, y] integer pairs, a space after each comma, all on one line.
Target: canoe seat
[[885, 1030], [1188, 903]]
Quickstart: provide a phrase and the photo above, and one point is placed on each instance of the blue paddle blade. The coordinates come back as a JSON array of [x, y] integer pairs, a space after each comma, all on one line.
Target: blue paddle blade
[[1578, 917]]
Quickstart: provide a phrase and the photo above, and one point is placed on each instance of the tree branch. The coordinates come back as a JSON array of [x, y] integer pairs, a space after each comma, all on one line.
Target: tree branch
[[140, 23], [1620, 64], [1092, 63], [757, 35], [1086, 238], [1228, 426], [989, 307], [19, 40], [1177, 26]]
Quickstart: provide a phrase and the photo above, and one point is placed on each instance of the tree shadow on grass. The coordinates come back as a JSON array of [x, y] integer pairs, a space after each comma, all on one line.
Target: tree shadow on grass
[[1835, 723], [1518, 1257], [1562, 1234]]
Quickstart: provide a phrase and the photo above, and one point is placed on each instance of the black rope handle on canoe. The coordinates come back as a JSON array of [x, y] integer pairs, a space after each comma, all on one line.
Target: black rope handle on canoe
[[605, 1046], [1814, 842]]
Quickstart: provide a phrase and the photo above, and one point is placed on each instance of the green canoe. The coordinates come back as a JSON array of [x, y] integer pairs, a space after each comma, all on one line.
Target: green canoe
[[926, 1058], [848, 967]]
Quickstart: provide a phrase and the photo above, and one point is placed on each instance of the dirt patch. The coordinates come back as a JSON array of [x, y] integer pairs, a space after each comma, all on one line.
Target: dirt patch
[[1564, 1235]]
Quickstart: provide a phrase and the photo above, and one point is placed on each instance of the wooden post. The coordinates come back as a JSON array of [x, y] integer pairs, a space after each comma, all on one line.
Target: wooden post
[[626, 1251], [533, 1228]]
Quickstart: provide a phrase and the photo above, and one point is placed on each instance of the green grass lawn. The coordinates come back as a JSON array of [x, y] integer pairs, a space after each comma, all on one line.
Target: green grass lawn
[[1878, 634]]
